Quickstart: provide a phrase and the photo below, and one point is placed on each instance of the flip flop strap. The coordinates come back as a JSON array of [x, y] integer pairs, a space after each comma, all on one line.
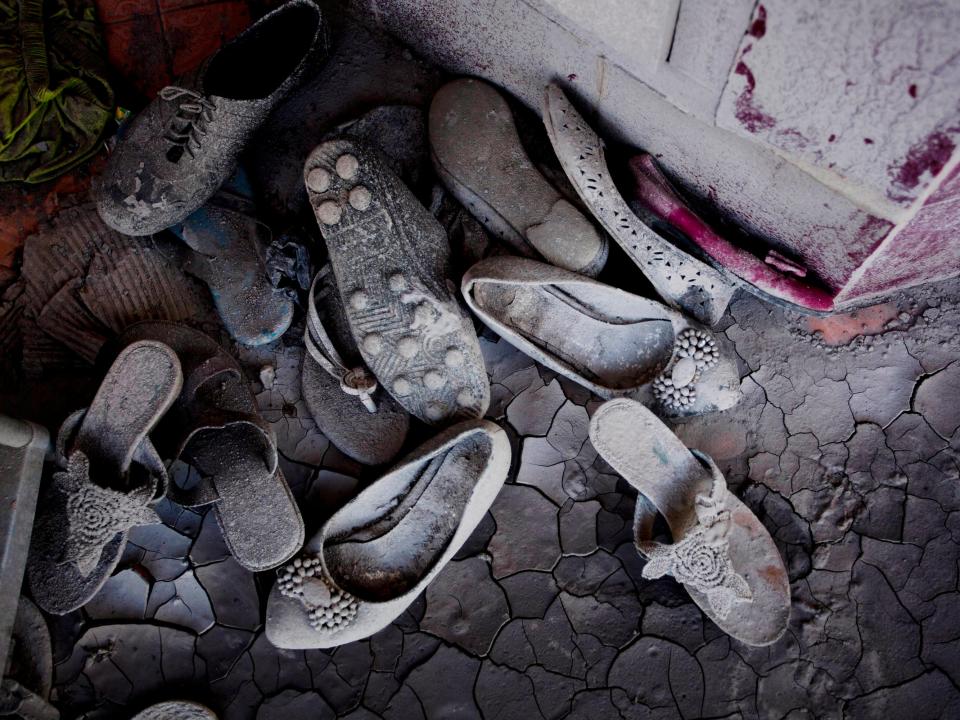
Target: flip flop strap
[[211, 368], [358, 381]]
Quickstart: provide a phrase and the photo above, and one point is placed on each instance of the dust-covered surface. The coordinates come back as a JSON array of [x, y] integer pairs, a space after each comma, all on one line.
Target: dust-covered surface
[[845, 444]]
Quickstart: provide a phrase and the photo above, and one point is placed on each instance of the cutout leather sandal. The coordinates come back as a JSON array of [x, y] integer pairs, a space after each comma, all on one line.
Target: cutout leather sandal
[[721, 552], [110, 475], [608, 340], [478, 155], [683, 281], [216, 427], [391, 260], [343, 396], [372, 559]]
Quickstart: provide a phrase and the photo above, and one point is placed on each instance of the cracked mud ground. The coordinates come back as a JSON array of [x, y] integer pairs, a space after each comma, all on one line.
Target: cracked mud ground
[[848, 452]]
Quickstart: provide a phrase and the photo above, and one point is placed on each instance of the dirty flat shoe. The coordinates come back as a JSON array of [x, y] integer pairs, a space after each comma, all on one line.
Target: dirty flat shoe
[[185, 143], [391, 258], [110, 475], [721, 552], [774, 278], [176, 710], [215, 426], [343, 396], [608, 340], [227, 244], [372, 559], [683, 281], [478, 155]]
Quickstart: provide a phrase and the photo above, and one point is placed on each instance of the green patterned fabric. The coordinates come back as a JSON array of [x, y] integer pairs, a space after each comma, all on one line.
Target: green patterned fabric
[[54, 97]]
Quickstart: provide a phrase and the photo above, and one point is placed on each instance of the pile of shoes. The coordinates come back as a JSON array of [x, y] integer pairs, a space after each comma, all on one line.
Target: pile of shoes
[[390, 346]]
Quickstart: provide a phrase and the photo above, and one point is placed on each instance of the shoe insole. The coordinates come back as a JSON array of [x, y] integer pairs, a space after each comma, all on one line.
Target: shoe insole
[[259, 519], [584, 327], [138, 388], [389, 556], [475, 143]]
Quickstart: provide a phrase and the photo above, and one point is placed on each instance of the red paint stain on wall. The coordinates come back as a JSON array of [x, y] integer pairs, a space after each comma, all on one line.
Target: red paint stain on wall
[[759, 26], [749, 115]]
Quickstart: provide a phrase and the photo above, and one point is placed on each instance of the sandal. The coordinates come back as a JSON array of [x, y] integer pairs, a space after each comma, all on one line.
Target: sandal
[[775, 278], [608, 340], [176, 710], [681, 280], [478, 155], [110, 476], [216, 427], [721, 552], [343, 397], [372, 559], [390, 258]]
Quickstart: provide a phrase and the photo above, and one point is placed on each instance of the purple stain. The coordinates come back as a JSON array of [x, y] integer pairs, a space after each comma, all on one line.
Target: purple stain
[[912, 90], [868, 141], [831, 138], [571, 77], [759, 26], [750, 116], [928, 156]]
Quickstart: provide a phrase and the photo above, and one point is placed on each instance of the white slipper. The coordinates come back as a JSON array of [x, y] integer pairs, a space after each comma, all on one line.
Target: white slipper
[[683, 281], [608, 340], [372, 559], [721, 552]]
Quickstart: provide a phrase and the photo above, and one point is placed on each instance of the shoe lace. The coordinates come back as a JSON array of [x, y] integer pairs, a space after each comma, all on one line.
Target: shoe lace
[[188, 126]]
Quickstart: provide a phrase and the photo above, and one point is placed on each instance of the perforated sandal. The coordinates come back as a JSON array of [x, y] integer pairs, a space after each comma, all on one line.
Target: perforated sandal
[[343, 396], [372, 559], [478, 155], [684, 282], [721, 552], [390, 258], [216, 427], [608, 340], [110, 475]]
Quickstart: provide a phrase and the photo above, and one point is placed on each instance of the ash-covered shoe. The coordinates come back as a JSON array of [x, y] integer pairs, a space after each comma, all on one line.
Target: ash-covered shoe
[[720, 552], [110, 476], [606, 339], [682, 280], [343, 396], [773, 278], [477, 153], [185, 143], [216, 427], [391, 261], [176, 710], [372, 559], [228, 255]]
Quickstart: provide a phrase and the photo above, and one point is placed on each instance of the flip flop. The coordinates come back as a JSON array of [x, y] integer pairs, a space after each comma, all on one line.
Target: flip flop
[[608, 340], [478, 155], [683, 281], [390, 258], [372, 559], [721, 552], [774, 278], [110, 475], [216, 427], [344, 398], [176, 710]]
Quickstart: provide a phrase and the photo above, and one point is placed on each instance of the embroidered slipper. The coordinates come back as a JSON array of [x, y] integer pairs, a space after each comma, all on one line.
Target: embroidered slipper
[[604, 338], [390, 258], [176, 710], [343, 396], [216, 427], [372, 559], [478, 155], [774, 278], [110, 475], [683, 281], [721, 552], [227, 244]]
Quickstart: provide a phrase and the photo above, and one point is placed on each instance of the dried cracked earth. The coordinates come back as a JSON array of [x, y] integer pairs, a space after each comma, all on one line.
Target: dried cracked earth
[[845, 445]]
